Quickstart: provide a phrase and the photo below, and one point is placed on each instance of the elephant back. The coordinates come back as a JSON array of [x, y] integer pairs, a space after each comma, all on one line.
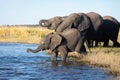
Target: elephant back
[[96, 20], [71, 36], [68, 22], [110, 18]]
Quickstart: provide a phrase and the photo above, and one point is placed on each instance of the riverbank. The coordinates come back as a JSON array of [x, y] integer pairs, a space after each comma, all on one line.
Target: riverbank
[[108, 58], [104, 57]]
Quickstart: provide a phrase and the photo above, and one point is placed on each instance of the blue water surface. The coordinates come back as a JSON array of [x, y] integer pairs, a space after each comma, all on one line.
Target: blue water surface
[[17, 64]]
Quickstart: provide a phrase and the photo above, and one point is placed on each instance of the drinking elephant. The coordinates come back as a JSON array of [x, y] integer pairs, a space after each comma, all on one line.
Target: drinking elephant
[[63, 42], [79, 21], [108, 31], [52, 23], [88, 24], [74, 20]]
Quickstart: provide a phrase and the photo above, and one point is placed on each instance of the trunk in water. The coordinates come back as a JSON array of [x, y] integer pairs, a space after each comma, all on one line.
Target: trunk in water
[[34, 51]]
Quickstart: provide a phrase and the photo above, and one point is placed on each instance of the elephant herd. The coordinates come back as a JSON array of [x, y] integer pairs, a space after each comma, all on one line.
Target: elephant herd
[[75, 29]]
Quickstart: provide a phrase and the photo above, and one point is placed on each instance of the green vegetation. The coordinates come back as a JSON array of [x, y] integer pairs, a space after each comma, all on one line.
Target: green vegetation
[[108, 58]]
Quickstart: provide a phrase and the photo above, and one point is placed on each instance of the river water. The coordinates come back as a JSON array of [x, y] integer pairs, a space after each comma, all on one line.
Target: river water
[[17, 64]]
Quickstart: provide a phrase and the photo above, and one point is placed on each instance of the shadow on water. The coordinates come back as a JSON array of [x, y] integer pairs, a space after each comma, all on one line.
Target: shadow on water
[[16, 64]]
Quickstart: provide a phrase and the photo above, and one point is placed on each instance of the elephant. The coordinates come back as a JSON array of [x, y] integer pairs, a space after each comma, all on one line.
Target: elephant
[[108, 31], [88, 24], [52, 23], [74, 20], [79, 21], [96, 22], [64, 42]]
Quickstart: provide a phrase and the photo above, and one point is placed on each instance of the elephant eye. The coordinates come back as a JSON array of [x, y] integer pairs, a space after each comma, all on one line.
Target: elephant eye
[[43, 24]]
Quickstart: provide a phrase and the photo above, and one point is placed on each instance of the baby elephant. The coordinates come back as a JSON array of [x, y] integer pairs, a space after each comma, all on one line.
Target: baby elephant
[[64, 42]]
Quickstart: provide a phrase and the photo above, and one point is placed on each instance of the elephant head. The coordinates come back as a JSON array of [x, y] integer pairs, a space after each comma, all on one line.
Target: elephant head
[[50, 41], [74, 20], [51, 23]]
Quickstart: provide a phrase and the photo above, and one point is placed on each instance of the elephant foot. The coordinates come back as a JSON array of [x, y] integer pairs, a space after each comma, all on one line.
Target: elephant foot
[[84, 52], [105, 45], [65, 64], [116, 45], [54, 63]]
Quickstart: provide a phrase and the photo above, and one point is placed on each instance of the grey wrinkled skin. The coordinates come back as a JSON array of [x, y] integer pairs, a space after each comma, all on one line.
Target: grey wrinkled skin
[[60, 24], [52, 23], [92, 26], [96, 22], [88, 24], [63, 42], [79, 21]]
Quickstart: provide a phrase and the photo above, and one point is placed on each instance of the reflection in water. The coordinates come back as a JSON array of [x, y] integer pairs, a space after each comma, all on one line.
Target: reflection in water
[[16, 64]]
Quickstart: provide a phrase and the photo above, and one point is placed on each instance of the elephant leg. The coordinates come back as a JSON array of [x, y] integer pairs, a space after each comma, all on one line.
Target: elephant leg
[[91, 43], [54, 56], [80, 48], [116, 44], [88, 43], [106, 43], [83, 50], [64, 52], [96, 43], [114, 38]]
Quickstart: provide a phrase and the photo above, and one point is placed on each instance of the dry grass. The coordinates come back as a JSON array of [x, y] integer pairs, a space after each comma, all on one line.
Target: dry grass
[[105, 57], [108, 58], [22, 34]]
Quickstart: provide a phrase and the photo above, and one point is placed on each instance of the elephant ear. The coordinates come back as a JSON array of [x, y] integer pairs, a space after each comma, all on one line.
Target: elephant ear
[[55, 41], [84, 22], [47, 39]]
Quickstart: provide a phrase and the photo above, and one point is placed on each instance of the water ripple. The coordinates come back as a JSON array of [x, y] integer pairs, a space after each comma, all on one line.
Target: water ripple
[[16, 64]]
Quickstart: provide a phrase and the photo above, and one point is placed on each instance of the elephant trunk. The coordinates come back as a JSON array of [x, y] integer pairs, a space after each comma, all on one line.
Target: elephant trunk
[[42, 23], [45, 23], [40, 48]]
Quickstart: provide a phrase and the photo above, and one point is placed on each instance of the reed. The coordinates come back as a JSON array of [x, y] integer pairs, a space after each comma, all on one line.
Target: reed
[[22, 34], [105, 57]]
